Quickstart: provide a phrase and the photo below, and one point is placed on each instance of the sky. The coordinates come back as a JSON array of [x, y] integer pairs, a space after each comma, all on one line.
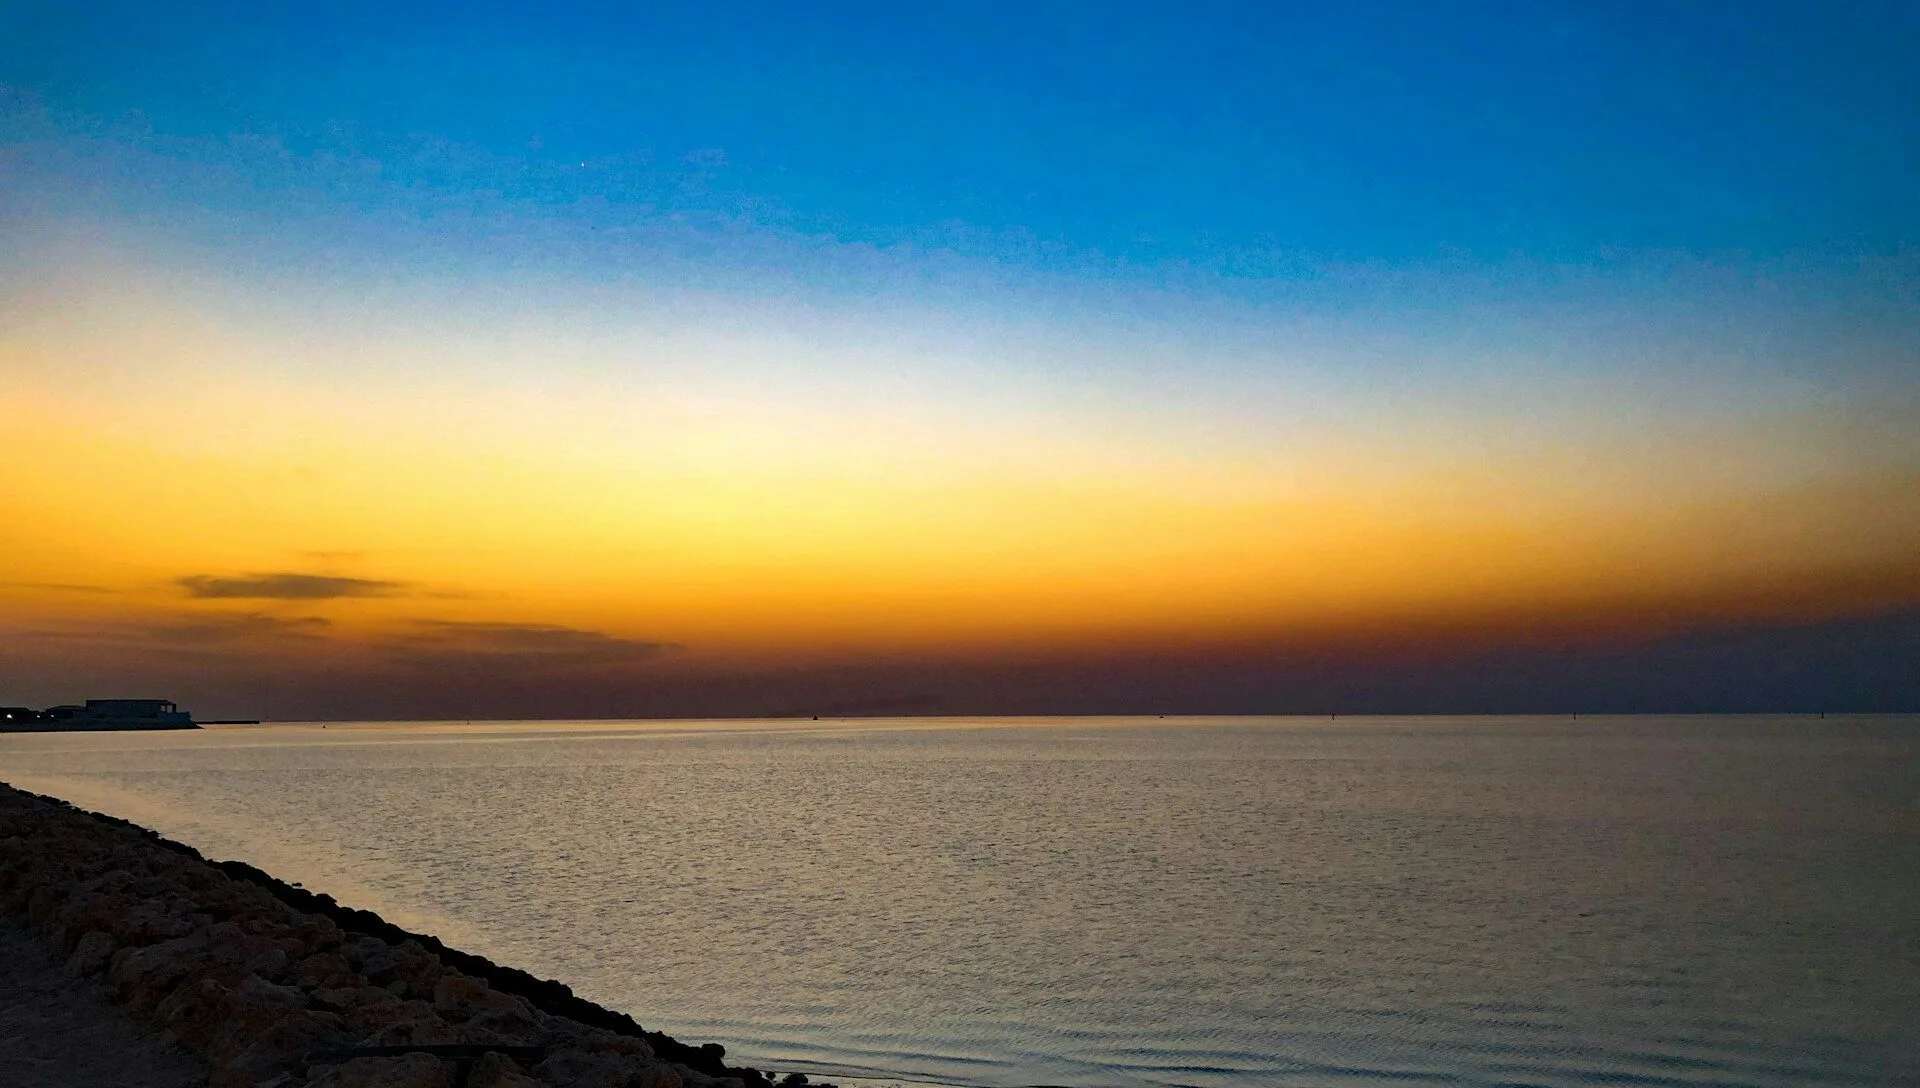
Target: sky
[[727, 359]]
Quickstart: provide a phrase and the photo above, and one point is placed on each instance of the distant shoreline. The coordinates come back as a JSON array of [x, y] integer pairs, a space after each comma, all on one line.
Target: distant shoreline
[[109, 727]]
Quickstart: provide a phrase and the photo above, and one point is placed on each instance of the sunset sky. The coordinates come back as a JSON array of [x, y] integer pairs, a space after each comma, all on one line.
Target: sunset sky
[[742, 359]]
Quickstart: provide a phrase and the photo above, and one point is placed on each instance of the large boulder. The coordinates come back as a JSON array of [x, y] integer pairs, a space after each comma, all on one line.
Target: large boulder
[[91, 954], [323, 971], [575, 1067], [143, 977], [156, 919], [194, 1011], [496, 1070], [406, 1071], [279, 1051], [485, 1015], [252, 1007], [407, 969]]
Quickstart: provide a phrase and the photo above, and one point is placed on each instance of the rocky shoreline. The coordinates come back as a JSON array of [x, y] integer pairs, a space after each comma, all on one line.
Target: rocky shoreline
[[279, 987]]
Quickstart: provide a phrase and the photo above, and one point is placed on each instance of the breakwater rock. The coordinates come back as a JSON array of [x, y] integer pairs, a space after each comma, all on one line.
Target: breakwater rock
[[279, 987]]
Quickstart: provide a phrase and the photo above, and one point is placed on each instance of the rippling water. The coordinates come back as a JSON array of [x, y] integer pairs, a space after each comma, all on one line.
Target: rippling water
[[1650, 901]]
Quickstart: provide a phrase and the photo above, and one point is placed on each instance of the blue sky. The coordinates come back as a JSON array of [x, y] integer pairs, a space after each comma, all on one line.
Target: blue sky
[[1193, 220], [1249, 140]]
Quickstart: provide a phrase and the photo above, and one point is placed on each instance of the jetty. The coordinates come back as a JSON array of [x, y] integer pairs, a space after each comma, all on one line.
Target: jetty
[[274, 986]]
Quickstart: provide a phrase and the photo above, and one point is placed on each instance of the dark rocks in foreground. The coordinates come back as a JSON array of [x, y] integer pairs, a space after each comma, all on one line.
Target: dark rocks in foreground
[[281, 988]]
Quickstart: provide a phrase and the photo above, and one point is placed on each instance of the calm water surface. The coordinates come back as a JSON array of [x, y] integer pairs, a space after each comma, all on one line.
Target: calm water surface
[[1644, 901]]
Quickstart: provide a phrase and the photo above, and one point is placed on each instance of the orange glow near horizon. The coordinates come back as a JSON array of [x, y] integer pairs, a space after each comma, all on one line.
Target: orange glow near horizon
[[338, 390], [761, 532]]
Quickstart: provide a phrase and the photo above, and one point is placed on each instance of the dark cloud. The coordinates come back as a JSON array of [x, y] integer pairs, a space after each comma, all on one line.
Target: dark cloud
[[286, 586], [167, 632], [59, 587], [234, 627], [526, 643]]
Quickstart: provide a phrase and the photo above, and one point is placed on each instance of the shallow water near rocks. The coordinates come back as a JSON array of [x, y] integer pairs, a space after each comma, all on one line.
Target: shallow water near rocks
[[1092, 902]]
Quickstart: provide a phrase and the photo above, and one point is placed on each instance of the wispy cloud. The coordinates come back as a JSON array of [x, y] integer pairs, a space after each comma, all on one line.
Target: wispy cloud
[[286, 586], [59, 587], [530, 644], [249, 625], [169, 632]]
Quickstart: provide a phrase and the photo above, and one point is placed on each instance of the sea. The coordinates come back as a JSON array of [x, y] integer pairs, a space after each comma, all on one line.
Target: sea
[[1094, 902]]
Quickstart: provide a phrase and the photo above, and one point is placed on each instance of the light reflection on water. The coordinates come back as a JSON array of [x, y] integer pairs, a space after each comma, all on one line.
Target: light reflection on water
[[1679, 901]]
